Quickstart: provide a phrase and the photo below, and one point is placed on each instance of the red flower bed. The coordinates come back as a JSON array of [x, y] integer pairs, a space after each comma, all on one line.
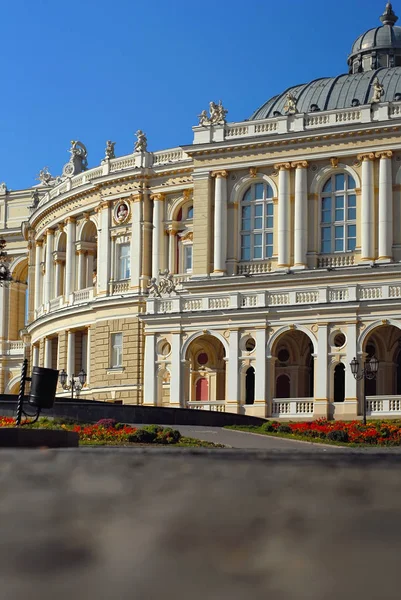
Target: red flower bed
[[385, 433]]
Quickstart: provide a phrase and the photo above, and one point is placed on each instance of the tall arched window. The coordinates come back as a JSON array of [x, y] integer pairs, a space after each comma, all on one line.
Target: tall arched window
[[338, 214], [257, 222]]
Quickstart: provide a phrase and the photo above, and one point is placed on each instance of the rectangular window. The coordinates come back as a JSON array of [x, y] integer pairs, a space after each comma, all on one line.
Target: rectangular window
[[326, 210], [269, 245], [124, 261], [339, 216], [351, 208], [246, 218], [246, 247], [259, 191], [326, 240], [339, 238], [257, 246], [351, 238], [116, 350], [187, 258], [340, 182], [258, 216], [269, 218]]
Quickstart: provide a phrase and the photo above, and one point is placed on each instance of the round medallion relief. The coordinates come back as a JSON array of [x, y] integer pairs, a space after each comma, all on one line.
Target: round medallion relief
[[121, 212]]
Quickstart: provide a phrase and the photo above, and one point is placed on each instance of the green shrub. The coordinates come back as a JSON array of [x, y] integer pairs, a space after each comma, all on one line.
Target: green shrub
[[268, 427], [284, 428], [142, 436], [337, 435], [168, 436], [156, 429]]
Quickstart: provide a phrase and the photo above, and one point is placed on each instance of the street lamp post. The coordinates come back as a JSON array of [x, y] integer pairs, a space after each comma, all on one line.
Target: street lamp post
[[368, 372], [75, 384]]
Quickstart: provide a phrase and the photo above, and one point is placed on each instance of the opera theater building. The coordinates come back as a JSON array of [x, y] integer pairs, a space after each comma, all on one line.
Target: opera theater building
[[241, 273]]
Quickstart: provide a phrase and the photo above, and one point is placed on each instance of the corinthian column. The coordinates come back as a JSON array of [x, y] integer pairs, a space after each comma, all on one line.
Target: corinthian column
[[301, 213], [172, 251], [104, 248], [70, 256], [136, 241], [284, 214], [157, 234], [49, 265], [368, 207], [38, 272], [220, 221], [385, 206]]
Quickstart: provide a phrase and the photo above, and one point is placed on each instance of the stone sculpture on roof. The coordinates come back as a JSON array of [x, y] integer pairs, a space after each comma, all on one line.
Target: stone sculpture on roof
[[378, 92], [141, 145], [217, 115], [109, 152], [78, 161], [291, 106], [45, 177]]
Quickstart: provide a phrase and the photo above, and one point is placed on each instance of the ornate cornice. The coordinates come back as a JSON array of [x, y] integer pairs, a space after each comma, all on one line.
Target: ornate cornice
[[366, 156], [300, 164], [220, 174], [384, 154]]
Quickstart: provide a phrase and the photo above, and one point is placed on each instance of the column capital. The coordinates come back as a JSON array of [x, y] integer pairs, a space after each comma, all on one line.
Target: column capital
[[366, 156], [220, 174], [49, 231], [172, 232], [39, 243], [70, 220], [300, 164], [158, 197], [136, 197], [284, 166], [384, 154], [60, 227]]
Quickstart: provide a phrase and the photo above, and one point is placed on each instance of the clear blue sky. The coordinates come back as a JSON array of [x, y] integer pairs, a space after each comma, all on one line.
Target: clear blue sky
[[100, 69]]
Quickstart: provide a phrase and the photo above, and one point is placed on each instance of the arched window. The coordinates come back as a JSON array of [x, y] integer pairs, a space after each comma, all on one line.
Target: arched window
[[190, 212], [257, 222], [339, 383], [338, 214]]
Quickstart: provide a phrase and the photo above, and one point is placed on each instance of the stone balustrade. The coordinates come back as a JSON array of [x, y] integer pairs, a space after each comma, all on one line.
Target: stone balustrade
[[299, 297], [292, 407], [382, 406], [298, 123], [15, 348], [211, 406]]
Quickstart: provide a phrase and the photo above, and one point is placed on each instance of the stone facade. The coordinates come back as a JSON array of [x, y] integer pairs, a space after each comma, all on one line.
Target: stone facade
[[241, 273]]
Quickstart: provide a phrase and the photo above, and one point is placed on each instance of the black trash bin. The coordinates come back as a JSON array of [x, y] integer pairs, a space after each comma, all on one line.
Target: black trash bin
[[43, 387]]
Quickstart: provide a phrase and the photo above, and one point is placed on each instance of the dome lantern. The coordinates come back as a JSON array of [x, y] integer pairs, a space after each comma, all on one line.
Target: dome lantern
[[378, 47], [389, 17]]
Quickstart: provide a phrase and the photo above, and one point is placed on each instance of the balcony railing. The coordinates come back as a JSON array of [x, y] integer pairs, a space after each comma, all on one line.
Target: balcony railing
[[380, 406], [298, 297], [213, 406], [298, 123], [15, 348], [292, 407]]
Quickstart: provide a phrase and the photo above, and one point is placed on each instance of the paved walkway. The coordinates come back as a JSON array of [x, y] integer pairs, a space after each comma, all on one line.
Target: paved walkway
[[250, 441]]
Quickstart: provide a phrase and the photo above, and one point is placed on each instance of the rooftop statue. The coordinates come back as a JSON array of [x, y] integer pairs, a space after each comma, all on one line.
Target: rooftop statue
[[3, 188], [141, 145], [78, 161], [35, 199], [217, 115], [45, 177], [153, 289], [166, 283], [291, 106], [378, 92], [109, 152]]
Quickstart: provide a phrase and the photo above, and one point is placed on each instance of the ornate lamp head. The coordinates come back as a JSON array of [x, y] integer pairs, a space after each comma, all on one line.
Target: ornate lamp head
[[354, 364], [82, 377], [63, 378]]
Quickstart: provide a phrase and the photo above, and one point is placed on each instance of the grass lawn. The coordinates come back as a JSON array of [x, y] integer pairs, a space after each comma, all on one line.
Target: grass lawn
[[108, 432], [338, 433]]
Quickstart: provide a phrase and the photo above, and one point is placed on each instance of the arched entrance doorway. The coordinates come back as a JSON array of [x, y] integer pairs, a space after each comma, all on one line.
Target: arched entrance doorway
[[205, 374], [250, 386], [384, 343], [293, 365], [339, 383]]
